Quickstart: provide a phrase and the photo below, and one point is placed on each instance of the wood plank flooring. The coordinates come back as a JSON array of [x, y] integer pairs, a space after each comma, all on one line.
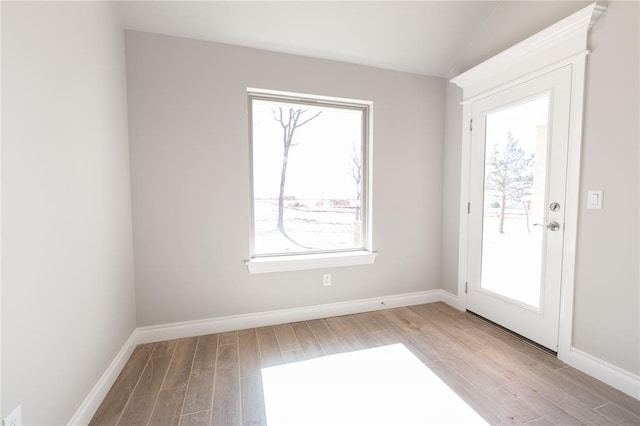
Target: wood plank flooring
[[216, 379]]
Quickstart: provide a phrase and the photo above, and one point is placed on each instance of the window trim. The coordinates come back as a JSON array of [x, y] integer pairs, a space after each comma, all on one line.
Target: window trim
[[300, 262], [276, 262]]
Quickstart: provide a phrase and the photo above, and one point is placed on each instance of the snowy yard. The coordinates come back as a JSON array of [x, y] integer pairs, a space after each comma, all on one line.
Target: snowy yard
[[313, 225], [511, 262]]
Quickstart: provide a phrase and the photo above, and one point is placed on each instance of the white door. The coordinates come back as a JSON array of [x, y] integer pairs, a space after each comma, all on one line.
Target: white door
[[516, 215]]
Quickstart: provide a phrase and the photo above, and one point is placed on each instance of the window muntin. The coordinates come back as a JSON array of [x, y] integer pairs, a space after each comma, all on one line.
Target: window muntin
[[321, 148]]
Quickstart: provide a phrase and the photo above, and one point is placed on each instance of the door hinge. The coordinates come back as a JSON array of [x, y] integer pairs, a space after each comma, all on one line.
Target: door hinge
[[468, 207], [466, 287], [471, 125]]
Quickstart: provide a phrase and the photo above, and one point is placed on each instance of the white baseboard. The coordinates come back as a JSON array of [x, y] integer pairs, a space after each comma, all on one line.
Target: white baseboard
[[608, 373], [604, 371], [179, 330], [452, 300], [140, 335], [90, 405]]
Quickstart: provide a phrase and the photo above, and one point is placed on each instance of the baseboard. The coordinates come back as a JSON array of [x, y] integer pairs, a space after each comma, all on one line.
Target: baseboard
[[158, 333], [612, 375], [451, 300], [602, 370], [260, 319], [90, 405], [608, 373]]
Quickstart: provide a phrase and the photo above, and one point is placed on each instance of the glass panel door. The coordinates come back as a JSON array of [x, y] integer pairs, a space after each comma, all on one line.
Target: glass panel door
[[517, 189], [514, 193]]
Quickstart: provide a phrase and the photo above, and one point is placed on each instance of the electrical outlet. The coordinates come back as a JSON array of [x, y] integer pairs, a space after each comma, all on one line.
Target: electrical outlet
[[326, 280], [15, 418]]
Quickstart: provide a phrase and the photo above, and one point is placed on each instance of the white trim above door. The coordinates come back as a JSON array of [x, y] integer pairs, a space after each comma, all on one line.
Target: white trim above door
[[562, 44]]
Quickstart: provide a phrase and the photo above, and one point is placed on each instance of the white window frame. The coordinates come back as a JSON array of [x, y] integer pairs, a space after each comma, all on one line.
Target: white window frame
[[329, 258]]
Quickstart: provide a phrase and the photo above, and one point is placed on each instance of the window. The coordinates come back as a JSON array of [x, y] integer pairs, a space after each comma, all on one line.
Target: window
[[310, 186]]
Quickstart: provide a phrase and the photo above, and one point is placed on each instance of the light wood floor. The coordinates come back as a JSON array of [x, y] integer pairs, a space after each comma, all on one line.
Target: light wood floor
[[216, 380]]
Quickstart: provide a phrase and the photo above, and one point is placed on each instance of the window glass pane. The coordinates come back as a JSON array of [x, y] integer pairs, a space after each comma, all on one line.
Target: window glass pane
[[307, 177]]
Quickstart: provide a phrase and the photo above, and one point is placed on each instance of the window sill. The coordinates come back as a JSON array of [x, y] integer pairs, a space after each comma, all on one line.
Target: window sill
[[261, 265]]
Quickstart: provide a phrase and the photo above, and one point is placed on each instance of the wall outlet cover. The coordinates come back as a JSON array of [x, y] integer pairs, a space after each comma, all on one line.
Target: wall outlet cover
[[326, 280]]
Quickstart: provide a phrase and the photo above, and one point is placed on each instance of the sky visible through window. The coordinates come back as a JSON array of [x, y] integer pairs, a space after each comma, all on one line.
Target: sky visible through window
[[321, 203], [320, 158]]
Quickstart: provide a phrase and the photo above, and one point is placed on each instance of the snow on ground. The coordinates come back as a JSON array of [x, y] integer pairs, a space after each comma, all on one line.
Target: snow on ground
[[511, 262], [313, 224]]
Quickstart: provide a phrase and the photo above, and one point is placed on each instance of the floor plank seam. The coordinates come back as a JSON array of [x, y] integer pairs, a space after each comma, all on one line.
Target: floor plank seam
[[195, 412], [342, 348], [136, 385], [600, 406], [278, 340], [623, 409], [533, 420], [186, 391], [316, 337], [155, 402], [215, 377], [259, 350], [571, 413], [173, 388], [503, 378], [239, 379]]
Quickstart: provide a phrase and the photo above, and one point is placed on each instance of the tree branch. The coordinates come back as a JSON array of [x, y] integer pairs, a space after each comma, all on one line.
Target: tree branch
[[309, 119]]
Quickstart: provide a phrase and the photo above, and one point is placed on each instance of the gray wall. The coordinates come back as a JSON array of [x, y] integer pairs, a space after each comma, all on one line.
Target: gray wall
[[190, 178], [607, 300], [607, 297], [510, 23], [67, 268], [451, 160]]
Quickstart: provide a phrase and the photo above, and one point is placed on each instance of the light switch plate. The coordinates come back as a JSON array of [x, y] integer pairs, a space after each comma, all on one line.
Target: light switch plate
[[594, 199]]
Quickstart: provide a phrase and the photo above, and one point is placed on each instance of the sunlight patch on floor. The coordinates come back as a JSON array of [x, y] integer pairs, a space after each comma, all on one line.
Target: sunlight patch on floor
[[387, 385]]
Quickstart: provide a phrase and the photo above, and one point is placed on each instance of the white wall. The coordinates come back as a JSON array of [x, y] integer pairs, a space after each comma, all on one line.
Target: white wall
[[190, 178], [607, 300], [67, 268]]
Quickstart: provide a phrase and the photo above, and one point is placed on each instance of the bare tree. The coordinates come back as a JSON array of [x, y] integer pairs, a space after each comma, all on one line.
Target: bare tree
[[356, 175], [510, 175], [289, 120]]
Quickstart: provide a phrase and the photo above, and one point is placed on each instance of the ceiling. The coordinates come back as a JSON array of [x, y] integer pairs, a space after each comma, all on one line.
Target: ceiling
[[422, 37]]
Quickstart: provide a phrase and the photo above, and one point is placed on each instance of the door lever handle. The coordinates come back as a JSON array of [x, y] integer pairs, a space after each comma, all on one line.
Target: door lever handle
[[552, 226]]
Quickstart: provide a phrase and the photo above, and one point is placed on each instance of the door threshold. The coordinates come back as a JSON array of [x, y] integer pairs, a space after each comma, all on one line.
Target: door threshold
[[516, 335]]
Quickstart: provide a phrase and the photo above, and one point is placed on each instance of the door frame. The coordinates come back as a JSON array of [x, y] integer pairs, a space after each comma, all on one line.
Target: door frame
[[562, 44], [539, 323]]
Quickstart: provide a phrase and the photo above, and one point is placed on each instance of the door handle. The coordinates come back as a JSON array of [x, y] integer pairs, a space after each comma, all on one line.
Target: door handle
[[552, 226]]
